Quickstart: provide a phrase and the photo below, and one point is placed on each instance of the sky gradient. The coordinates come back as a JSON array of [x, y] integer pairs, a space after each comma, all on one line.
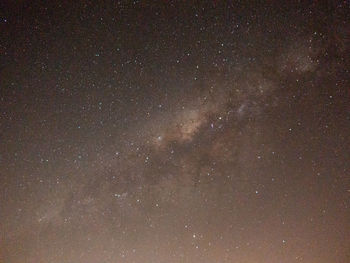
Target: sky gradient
[[174, 131]]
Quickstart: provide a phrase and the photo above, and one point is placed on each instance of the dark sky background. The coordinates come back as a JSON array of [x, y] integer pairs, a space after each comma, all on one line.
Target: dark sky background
[[174, 131]]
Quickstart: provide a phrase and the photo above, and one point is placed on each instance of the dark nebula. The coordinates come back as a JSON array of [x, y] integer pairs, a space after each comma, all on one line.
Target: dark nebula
[[174, 131]]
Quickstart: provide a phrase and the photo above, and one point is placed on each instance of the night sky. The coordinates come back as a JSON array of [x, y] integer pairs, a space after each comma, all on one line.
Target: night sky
[[174, 131]]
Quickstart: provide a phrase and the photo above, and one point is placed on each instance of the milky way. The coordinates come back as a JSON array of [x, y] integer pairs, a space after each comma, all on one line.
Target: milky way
[[174, 131]]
